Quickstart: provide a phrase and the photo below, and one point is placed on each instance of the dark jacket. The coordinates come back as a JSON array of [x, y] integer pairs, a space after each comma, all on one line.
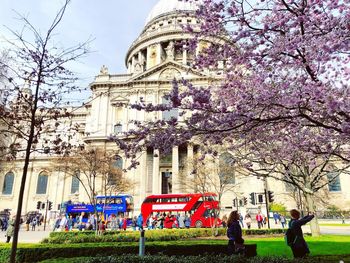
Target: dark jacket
[[300, 243], [234, 232]]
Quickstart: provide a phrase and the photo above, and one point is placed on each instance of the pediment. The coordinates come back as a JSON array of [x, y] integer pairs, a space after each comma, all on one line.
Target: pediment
[[118, 100], [167, 71]]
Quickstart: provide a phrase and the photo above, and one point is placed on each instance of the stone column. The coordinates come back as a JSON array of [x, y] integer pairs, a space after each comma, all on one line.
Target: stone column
[[159, 54], [143, 176], [184, 55], [156, 176], [175, 170], [190, 163]]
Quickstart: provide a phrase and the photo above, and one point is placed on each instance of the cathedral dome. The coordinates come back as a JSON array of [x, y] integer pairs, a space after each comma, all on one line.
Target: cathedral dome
[[167, 6]]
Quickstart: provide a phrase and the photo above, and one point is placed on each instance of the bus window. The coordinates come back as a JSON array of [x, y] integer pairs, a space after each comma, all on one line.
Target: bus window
[[183, 199], [118, 201]]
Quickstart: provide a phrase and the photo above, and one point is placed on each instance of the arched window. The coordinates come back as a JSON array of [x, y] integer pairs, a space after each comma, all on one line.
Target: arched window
[[41, 187], [75, 183], [113, 177], [227, 172], [8, 183], [118, 162]]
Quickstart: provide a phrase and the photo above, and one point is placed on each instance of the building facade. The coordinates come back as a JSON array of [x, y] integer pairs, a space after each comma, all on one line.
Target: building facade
[[153, 60]]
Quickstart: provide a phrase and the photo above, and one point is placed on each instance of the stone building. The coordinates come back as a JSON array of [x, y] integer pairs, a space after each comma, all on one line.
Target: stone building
[[153, 60]]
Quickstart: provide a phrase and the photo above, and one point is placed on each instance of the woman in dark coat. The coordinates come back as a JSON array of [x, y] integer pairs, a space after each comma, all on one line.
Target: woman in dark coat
[[234, 234], [299, 246]]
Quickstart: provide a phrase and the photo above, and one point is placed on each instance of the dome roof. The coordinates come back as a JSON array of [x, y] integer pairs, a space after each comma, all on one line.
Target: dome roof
[[168, 6]]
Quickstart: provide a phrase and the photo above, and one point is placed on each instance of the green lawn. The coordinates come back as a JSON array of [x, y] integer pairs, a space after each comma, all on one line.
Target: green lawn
[[328, 246], [330, 224], [323, 245]]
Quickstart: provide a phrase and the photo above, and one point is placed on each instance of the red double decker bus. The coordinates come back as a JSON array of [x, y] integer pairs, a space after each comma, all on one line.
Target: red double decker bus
[[201, 207]]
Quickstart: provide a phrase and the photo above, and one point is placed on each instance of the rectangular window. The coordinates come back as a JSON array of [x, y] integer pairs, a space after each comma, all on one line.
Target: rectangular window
[[334, 182], [42, 184], [8, 184], [172, 113], [118, 128], [75, 185]]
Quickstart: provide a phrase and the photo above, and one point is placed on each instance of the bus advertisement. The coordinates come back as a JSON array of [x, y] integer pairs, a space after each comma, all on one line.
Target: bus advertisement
[[108, 205], [201, 207]]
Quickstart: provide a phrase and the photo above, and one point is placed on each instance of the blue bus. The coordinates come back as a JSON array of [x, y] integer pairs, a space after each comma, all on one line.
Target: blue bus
[[106, 205]]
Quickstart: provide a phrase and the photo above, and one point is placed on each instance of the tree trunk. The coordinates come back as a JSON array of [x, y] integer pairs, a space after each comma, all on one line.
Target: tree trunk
[[315, 228]]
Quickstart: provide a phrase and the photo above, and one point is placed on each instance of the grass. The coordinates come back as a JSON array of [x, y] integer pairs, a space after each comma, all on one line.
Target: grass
[[330, 224], [327, 246]]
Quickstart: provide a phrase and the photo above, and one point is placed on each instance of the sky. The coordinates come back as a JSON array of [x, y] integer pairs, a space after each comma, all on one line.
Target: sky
[[113, 24]]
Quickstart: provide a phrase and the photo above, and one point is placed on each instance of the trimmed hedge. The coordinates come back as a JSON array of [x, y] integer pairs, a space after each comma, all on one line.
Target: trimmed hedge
[[38, 252], [192, 259], [151, 235]]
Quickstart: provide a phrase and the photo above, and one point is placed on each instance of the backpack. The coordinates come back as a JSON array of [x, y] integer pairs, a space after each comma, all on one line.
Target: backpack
[[290, 237]]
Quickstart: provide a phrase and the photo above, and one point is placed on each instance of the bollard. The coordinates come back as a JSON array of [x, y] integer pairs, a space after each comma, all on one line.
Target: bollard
[[142, 243]]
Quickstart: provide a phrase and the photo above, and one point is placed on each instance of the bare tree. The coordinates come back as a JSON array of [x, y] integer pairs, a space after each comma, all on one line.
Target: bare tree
[[97, 172], [37, 81], [216, 174], [309, 176]]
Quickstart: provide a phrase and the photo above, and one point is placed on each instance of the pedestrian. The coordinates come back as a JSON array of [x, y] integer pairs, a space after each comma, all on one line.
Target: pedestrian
[[101, 228], [187, 221], [283, 220], [224, 221], [275, 217], [27, 223], [260, 219], [181, 220], [140, 222], [298, 244], [33, 223], [70, 223], [63, 223], [1, 224], [134, 223], [342, 218], [10, 229], [234, 234], [248, 220], [241, 220], [114, 222], [150, 222]]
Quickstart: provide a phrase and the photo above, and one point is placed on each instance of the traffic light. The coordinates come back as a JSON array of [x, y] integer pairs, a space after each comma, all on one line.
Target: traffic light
[[270, 196], [252, 198], [260, 198], [245, 200], [50, 205], [42, 205], [234, 202], [38, 205]]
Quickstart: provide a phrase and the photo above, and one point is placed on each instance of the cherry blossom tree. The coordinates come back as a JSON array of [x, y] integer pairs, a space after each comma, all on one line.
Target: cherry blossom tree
[[283, 62], [281, 81], [33, 104]]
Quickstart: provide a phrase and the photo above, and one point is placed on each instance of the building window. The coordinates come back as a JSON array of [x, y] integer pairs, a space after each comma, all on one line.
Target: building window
[[8, 183], [118, 162], [75, 183], [227, 172], [118, 128], [334, 182], [169, 114], [41, 187]]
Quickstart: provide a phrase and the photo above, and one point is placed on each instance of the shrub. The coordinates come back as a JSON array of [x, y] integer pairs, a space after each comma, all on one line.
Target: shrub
[[38, 252], [192, 259], [152, 235]]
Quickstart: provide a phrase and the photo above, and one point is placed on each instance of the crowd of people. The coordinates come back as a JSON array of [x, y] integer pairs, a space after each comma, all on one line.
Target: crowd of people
[[260, 219], [120, 222], [33, 221]]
